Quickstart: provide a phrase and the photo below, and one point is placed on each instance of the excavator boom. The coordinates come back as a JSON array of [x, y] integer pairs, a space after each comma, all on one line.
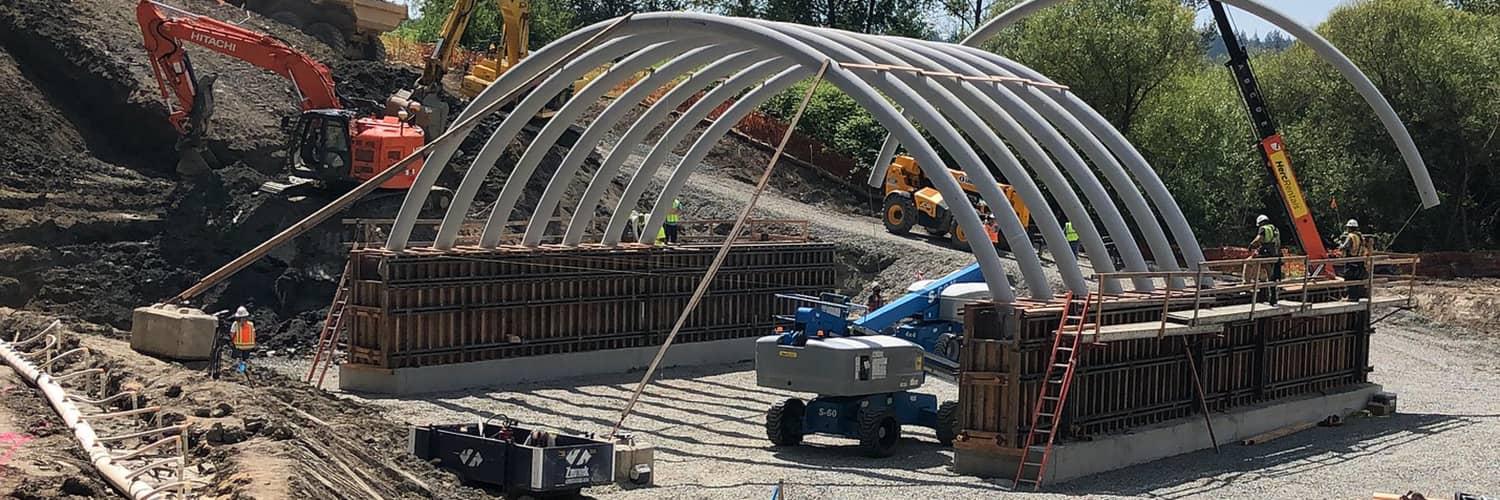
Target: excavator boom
[[448, 40], [164, 35]]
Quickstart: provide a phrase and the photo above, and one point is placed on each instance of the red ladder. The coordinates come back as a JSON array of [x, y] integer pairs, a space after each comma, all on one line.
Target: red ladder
[[333, 325], [1053, 395]]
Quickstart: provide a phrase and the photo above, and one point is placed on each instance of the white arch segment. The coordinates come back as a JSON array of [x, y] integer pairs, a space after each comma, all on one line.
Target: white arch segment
[[1325, 50], [692, 51]]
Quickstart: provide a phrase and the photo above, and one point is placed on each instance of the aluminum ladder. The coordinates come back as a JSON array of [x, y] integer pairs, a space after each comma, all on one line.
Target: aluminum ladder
[[1053, 395], [333, 325]]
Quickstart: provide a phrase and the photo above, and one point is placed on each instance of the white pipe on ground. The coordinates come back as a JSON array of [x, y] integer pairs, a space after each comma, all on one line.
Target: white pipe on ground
[[117, 475]]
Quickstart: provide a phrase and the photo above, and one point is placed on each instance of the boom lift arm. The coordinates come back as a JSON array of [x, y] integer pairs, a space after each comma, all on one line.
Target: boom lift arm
[[164, 37], [1268, 140]]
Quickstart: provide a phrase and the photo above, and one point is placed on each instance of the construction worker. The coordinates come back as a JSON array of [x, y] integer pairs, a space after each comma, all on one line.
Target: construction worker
[[992, 230], [877, 297], [242, 338], [674, 215], [1267, 243], [1353, 244], [637, 224], [1072, 235]]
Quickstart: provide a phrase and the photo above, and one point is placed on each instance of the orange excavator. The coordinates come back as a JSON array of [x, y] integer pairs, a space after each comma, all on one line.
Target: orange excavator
[[331, 147]]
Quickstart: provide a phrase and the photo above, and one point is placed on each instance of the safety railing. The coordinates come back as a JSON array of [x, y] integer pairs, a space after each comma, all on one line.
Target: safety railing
[[1393, 271]]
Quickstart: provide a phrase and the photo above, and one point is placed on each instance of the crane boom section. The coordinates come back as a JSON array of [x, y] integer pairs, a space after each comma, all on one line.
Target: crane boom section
[[164, 36], [1268, 140]]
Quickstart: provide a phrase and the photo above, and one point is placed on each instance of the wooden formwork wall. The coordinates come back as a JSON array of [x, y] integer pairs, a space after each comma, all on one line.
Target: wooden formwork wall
[[420, 310], [1132, 383]]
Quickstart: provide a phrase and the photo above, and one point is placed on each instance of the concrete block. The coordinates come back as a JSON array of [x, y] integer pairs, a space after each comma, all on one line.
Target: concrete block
[[173, 332], [629, 456], [1076, 459], [496, 372]]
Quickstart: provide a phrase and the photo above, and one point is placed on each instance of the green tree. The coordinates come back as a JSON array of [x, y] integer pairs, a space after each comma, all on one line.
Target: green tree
[[1115, 54], [1199, 142], [833, 118], [1439, 69]]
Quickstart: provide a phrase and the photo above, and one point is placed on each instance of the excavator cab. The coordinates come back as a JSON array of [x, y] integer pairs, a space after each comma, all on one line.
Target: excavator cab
[[332, 148], [320, 149]]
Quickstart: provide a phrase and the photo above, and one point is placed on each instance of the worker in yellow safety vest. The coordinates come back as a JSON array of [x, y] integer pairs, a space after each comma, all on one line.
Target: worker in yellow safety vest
[[242, 338], [1072, 235], [1353, 244], [674, 215], [1267, 243]]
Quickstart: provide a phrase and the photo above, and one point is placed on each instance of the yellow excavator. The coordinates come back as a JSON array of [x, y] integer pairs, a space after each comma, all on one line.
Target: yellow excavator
[[429, 91], [910, 200], [515, 18]]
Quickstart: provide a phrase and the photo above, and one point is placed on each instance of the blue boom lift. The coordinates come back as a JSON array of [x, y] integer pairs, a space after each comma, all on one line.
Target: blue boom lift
[[864, 369], [926, 316]]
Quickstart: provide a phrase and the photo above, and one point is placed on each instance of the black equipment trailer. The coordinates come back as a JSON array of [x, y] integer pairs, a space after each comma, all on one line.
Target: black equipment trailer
[[516, 458]]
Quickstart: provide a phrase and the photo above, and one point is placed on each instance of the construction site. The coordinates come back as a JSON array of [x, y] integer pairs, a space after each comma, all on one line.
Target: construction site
[[248, 250]]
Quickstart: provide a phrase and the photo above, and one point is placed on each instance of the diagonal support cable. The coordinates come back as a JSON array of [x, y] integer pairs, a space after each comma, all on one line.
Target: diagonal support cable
[[713, 268]]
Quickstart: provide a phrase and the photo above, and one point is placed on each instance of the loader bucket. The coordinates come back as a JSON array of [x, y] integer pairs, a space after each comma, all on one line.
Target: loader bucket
[[173, 332]]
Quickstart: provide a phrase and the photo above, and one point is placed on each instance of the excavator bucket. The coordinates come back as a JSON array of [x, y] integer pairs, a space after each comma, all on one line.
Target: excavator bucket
[[431, 110], [194, 158]]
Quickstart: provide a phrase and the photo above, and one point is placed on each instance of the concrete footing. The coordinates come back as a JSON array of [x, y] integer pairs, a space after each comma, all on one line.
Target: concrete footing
[[1082, 458], [173, 332], [452, 377]]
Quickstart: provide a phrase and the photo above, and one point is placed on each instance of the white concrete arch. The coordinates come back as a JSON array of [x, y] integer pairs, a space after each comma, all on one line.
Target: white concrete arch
[[766, 57], [657, 27]]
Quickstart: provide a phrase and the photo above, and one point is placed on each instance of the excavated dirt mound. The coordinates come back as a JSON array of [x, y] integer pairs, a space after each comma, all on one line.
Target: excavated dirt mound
[[256, 436], [95, 219]]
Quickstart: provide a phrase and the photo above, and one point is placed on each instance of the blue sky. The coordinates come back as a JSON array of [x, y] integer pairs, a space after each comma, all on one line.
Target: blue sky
[[1307, 13]]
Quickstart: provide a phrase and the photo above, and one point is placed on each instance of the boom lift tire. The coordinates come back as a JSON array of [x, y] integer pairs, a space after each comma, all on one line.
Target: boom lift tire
[[784, 422], [878, 432], [900, 213], [947, 426]]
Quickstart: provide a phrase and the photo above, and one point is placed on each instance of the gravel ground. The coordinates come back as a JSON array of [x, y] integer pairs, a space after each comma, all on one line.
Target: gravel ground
[[707, 425]]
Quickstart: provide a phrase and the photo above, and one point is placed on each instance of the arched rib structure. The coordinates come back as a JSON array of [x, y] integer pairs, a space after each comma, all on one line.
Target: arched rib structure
[[982, 111]]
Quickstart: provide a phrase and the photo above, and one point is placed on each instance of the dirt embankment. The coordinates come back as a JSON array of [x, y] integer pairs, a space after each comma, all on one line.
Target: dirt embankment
[[95, 219], [261, 436]]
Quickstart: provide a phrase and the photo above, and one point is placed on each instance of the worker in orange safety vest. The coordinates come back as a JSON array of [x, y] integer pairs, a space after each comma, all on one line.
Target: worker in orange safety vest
[[242, 338]]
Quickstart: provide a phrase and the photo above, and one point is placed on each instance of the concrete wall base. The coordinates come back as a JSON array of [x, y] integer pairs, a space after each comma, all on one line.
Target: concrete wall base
[[1078, 459], [452, 377]]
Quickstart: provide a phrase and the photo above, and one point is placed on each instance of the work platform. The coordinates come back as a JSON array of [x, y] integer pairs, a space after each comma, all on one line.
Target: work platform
[[1135, 389], [426, 320]]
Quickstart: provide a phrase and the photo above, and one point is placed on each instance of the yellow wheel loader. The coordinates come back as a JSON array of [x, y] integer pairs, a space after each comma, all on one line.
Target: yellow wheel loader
[[910, 200]]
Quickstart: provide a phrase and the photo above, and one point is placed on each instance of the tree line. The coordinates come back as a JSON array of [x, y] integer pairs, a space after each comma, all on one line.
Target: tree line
[[1158, 76]]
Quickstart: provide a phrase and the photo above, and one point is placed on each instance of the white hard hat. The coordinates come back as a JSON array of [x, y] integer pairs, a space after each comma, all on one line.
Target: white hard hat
[[1351, 223], [242, 312], [1262, 219]]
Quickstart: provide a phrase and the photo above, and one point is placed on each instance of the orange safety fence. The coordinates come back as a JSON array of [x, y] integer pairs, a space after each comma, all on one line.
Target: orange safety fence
[[766, 131]]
